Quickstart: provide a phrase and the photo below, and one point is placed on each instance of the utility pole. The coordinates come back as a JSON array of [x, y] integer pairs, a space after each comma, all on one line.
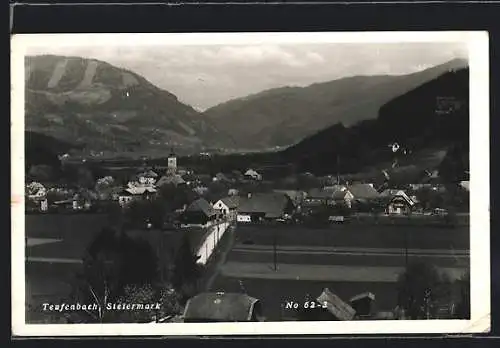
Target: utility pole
[[338, 169], [275, 254], [406, 250]]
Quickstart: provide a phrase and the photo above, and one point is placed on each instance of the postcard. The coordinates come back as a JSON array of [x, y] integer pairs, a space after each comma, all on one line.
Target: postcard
[[250, 183]]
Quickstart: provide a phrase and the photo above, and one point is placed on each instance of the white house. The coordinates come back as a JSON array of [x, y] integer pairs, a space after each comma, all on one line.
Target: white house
[[35, 190], [227, 207], [147, 178], [131, 193], [250, 173]]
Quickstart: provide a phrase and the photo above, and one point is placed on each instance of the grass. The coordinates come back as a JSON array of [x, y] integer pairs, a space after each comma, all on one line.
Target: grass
[[374, 236]]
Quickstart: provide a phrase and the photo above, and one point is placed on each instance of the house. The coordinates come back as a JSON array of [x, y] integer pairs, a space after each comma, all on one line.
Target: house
[[227, 207], [364, 192], [362, 304], [222, 307], [465, 184], [252, 175], [125, 197], [36, 190], [328, 307], [199, 213], [394, 192], [83, 200], [400, 205], [232, 192], [333, 195], [200, 190], [147, 178], [297, 197], [135, 193], [174, 179], [317, 196], [221, 178], [264, 206]]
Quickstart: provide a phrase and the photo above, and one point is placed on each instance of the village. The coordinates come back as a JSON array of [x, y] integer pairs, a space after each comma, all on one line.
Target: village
[[246, 229]]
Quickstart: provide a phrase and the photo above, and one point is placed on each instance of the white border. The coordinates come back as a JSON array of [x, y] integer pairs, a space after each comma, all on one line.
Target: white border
[[478, 45]]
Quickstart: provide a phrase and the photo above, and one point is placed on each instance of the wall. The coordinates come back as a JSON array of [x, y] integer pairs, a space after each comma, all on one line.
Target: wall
[[212, 238]]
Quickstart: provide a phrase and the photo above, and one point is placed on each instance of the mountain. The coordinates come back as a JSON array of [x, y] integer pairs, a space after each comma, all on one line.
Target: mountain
[[284, 116], [430, 122], [94, 103]]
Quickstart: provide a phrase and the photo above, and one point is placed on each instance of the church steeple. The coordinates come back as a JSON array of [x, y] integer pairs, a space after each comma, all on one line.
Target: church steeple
[[172, 162]]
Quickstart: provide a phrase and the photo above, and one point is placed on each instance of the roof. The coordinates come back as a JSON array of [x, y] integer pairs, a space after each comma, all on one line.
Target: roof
[[364, 295], [231, 202], [294, 195], [221, 176], [251, 172], [272, 204], [140, 190], [148, 174], [201, 205], [170, 179], [363, 191], [230, 307], [319, 193], [335, 305]]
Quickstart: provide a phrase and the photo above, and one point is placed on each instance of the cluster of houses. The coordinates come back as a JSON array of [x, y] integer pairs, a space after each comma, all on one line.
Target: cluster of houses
[[234, 204]]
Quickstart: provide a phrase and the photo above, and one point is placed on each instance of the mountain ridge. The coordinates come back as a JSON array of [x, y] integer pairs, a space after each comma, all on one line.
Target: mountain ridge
[[106, 107], [275, 112]]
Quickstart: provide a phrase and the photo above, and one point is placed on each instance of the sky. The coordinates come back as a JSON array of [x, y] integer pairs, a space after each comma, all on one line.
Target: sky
[[206, 75]]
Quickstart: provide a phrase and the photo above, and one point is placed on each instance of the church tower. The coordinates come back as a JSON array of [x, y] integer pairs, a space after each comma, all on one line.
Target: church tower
[[172, 163]]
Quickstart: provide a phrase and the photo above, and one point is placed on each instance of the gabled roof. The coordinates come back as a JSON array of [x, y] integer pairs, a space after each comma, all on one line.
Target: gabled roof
[[228, 307], [251, 172], [148, 174], [367, 295], [272, 204], [140, 190], [363, 191], [335, 305], [231, 202], [201, 205]]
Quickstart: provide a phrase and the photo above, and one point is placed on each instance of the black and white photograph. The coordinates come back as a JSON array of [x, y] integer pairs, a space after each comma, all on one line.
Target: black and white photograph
[[250, 183]]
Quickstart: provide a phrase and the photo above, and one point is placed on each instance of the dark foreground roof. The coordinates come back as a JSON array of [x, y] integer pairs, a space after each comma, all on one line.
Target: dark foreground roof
[[335, 305], [228, 307], [272, 204]]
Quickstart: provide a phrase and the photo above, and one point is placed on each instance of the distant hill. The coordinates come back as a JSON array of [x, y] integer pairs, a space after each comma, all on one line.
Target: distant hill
[[44, 149], [432, 117], [430, 122], [284, 116], [108, 108]]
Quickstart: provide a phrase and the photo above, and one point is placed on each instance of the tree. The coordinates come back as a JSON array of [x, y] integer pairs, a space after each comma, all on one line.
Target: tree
[[113, 263], [420, 288], [104, 187], [162, 294], [186, 270], [41, 172], [85, 178]]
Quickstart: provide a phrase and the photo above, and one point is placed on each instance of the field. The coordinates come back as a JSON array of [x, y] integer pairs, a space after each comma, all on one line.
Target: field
[[347, 259]]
